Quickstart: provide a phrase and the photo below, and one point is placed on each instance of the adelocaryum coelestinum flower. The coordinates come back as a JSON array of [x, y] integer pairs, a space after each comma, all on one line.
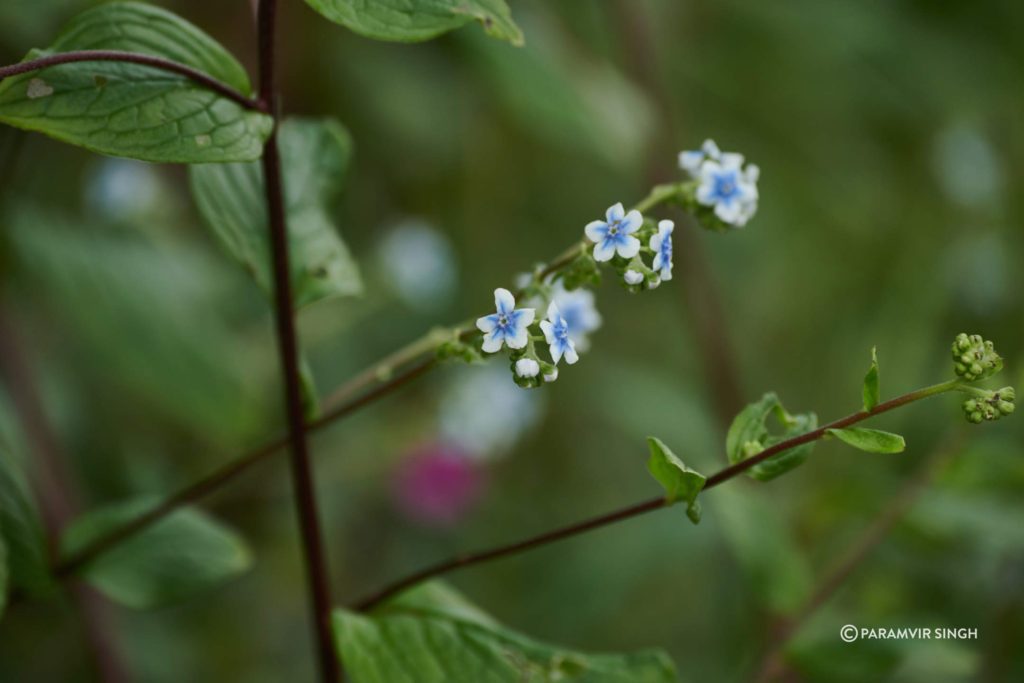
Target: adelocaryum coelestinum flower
[[614, 235], [724, 184], [507, 326], [661, 245], [556, 332]]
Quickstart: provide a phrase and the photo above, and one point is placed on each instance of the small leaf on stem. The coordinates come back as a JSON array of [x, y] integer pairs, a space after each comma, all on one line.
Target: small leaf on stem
[[870, 391], [681, 483], [870, 440]]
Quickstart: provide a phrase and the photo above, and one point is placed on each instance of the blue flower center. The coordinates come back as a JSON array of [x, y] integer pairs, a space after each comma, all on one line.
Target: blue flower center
[[503, 320], [725, 186], [613, 228]]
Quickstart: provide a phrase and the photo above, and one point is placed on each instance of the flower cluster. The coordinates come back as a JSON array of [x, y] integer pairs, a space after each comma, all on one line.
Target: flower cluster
[[975, 358], [726, 191], [990, 405], [510, 326], [721, 194]]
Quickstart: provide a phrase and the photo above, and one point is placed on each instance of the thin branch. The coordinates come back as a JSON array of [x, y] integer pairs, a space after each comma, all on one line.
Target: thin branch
[[772, 664], [212, 482], [196, 75], [302, 470], [645, 506]]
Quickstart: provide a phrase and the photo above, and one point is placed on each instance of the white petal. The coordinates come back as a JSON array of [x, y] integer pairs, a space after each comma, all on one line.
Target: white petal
[[666, 227], [596, 230], [547, 329], [551, 377], [604, 250], [503, 300], [706, 192], [689, 161], [632, 277], [486, 323], [519, 339], [615, 212], [711, 149], [553, 312], [666, 274], [658, 262], [752, 173], [555, 350], [728, 212], [492, 343], [655, 243], [632, 221], [525, 316], [570, 354], [527, 367], [732, 160], [630, 249]]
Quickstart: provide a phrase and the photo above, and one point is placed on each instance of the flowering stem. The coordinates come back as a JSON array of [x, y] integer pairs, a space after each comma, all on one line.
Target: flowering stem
[[390, 373], [646, 506], [199, 77], [302, 472]]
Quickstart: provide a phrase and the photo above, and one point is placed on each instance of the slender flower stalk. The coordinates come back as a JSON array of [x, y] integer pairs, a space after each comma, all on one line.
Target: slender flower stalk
[[374, 382], [199, 77], [723, 475]]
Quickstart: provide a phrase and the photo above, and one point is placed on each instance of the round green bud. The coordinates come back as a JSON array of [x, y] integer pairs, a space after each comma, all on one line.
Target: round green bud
[[1005, 407]]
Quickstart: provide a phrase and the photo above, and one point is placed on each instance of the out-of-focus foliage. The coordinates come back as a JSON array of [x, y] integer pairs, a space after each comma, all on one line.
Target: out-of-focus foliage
[[889, 141]]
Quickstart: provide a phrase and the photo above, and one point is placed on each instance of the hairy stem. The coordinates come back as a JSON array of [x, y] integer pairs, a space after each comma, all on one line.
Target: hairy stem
[[302, 471], [645, 506], [199, 77], [387, 374]]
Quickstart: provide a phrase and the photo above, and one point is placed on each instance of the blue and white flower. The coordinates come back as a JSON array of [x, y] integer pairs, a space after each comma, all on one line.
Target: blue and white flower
[[527, 367], [661, 245], [730, 189], [633, 277], [578, 310], [614, 235], [556, 332], [691, 160], [508, 325]]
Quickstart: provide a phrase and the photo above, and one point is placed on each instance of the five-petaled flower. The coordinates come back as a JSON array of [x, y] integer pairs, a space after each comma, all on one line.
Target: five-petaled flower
[[661, 245], [508, 325], [556, 332], [577, 307], [615, 233], [729, 188]]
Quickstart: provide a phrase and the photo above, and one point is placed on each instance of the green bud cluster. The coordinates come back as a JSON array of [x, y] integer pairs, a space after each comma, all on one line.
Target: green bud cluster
[[975, 358], [990, 405], [581, 271], [458, 350]]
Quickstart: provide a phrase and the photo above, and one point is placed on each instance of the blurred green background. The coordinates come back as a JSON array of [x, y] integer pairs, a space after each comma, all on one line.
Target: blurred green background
[[892, 153]]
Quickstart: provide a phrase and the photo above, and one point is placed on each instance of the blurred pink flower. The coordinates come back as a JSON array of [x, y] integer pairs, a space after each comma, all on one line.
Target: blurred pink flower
[[436, 484]]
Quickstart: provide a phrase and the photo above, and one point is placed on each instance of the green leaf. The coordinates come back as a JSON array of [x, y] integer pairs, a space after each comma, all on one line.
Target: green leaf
[[431, 634], [137, 111], [183, 554], [680, 482], [315, 155], [870, 391], [870, 440], [410, 21], [4, 576], [26, 562], [310, 395], [748, 435]]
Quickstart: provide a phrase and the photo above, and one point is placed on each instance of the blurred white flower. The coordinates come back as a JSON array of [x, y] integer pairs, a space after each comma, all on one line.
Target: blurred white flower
[[122, 188], [966, 165], [419, 263], [577, 307], [484, 413]]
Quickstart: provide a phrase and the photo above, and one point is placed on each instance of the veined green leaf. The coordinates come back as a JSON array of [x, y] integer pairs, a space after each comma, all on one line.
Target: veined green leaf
[[870, 440], [175, 558], [26, 565], [431, 634], [681, 483], [137, 111], [870, 391], [748, 435], [411, 21], [314, 158]]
